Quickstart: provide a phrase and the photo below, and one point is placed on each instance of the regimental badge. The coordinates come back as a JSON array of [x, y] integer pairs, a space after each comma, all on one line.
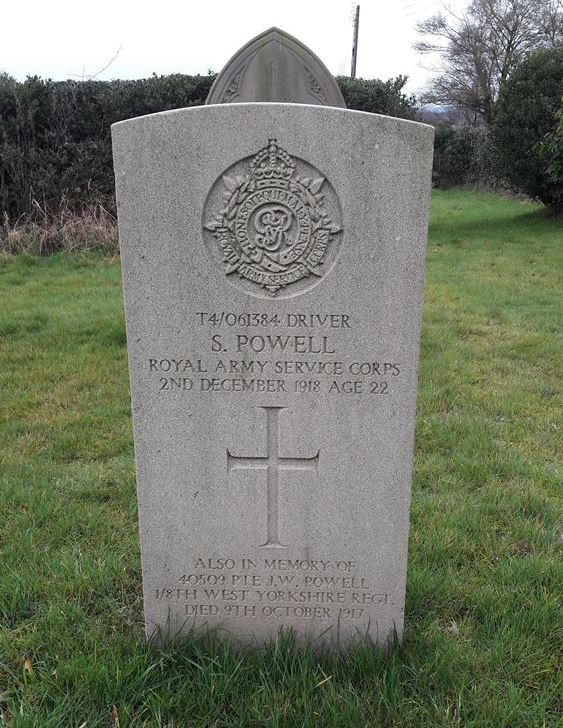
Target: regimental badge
[[275, 221]]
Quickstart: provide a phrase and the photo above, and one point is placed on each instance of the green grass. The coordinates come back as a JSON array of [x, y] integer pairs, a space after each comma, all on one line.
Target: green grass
[[483, 633]]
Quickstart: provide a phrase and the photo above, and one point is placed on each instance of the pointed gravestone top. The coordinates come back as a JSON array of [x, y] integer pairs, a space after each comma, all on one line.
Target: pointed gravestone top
[[276, 67]]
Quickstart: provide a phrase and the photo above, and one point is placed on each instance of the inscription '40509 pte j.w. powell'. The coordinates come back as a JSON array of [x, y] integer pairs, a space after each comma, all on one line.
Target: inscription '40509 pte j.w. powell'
[[276, 222]]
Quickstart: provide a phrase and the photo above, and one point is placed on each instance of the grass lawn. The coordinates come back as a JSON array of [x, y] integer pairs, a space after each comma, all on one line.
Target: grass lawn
[[483, 633]]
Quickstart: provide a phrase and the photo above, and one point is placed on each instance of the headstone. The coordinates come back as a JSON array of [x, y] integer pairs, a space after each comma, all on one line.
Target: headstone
[[273, 261], [275, 66]]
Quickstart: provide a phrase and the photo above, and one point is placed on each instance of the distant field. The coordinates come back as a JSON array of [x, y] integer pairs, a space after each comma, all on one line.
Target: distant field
[[483, 632]]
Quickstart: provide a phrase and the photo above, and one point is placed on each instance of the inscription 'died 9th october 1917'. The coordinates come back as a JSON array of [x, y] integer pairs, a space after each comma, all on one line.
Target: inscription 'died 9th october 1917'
[[250, 352], [273, 587]]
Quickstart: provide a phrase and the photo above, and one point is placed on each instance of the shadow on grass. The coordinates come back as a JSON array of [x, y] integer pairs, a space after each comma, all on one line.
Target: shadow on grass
[[495, 227]]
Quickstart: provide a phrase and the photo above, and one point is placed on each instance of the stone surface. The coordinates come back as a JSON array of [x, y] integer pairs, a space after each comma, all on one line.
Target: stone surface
[[276, 67], [273, 259]]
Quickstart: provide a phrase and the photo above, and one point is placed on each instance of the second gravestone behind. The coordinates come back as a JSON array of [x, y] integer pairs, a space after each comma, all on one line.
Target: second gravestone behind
[[273, 260]]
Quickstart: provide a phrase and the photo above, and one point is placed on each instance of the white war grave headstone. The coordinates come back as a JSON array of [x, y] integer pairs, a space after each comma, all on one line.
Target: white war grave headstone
[[273, 263]]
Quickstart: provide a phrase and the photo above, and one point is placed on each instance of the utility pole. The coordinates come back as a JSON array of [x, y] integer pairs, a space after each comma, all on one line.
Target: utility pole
[[356, 21]]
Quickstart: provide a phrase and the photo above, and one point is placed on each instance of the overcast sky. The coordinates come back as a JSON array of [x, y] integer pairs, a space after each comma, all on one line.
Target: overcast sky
[[62, 39]]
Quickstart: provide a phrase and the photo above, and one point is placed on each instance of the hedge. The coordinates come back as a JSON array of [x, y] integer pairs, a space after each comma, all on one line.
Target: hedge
[[527, 129], [464, 155], [55, 141]]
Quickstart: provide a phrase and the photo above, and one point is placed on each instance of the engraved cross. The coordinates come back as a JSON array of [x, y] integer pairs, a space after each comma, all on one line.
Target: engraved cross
[[272, 463]]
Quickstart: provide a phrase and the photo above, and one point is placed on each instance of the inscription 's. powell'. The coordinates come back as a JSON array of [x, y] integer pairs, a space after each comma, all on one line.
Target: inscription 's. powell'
[[272, 463]]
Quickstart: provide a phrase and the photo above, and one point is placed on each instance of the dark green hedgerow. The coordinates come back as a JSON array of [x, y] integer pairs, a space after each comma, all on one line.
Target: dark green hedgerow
[[528, 127], [55, 143]]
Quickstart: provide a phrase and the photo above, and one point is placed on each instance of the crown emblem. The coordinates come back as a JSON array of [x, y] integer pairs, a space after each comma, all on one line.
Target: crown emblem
[[272, 162], [274, 221]]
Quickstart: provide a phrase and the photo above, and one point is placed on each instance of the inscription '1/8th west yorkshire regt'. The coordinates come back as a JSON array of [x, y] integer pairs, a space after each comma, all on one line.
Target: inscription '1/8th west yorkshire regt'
[[272, 464]]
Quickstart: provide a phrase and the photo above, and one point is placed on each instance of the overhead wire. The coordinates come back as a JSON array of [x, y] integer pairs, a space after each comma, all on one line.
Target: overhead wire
[[421, 10]]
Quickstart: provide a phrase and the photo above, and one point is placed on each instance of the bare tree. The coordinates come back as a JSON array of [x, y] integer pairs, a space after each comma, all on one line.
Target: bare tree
[[480, 48]]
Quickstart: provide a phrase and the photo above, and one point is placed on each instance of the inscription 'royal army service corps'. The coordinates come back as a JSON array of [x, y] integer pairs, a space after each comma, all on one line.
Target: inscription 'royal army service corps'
[[275, 222]]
